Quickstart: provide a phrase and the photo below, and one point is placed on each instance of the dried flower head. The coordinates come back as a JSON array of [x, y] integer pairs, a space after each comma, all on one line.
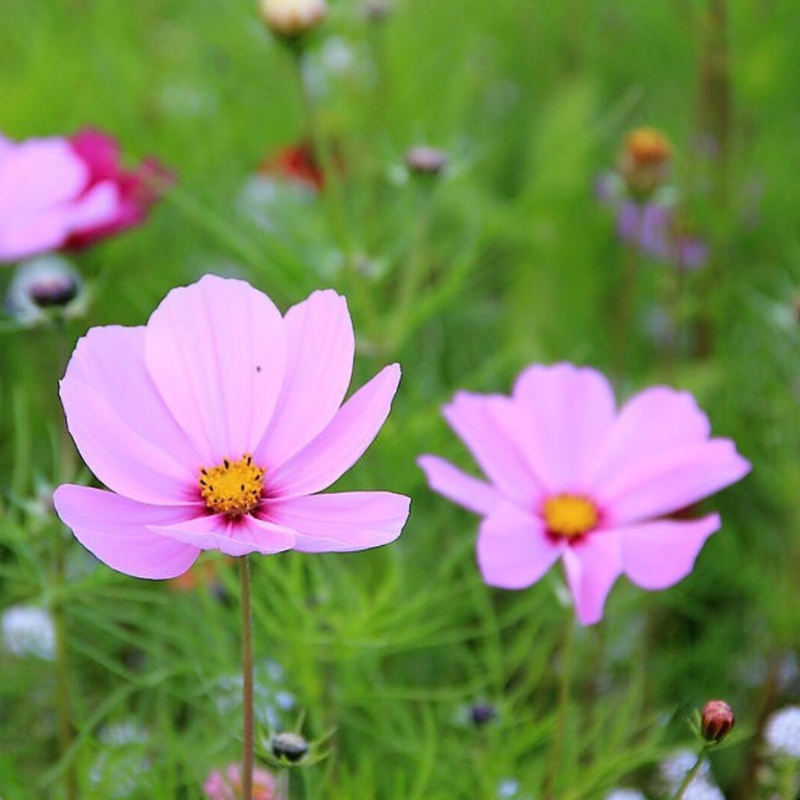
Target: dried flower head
[[289, 746], [43, 287], [645, 160]]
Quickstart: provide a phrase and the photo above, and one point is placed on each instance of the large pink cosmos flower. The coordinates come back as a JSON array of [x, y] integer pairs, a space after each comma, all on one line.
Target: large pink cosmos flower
[[571, 477], [215, 425], [57, 192]]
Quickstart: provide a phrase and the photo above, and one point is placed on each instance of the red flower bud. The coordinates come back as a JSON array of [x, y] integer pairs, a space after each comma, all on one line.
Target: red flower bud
[[717, 720]]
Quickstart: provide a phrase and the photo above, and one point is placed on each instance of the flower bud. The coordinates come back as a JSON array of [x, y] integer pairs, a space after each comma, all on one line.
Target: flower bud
[[482, 713], [716, 720], [645, 160], [377, 10], [292, 18], [424, 160], [289, 746], [44, 286]]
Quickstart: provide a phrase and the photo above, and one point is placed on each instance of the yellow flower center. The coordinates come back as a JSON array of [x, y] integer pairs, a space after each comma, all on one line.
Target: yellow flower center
[[569, 515], [233, 487]]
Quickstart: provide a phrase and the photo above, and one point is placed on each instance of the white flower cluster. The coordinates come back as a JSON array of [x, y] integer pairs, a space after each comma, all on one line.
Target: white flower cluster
[[782, 732], [28, 631]]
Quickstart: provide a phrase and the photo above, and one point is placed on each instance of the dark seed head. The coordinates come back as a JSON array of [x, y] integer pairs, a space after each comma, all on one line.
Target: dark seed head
[[482, 713], [290, 746]]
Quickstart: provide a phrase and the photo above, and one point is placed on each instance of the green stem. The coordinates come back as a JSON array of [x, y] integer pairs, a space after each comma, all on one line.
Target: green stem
[[692, 773], [416, 268], [247, 681], [332, 190], [563, 710], [66, 734], [627, 299]]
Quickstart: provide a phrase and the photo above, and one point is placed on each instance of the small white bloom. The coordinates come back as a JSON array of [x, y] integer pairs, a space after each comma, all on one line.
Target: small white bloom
[[782, 732], [28, 631], [293, 17], [625, 794]]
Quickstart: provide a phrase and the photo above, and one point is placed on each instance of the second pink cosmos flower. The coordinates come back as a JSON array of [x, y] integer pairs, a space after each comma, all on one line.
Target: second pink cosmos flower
[[215, 426], [570, 477]]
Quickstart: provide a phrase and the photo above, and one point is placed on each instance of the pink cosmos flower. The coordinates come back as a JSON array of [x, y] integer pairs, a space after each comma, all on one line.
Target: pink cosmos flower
[[216, 424], [570, 477], [229, 786], [56, 192]]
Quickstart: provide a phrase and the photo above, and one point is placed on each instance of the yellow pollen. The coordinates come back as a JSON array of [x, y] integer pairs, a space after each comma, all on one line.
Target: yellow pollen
[[569, 515], [233, 487]]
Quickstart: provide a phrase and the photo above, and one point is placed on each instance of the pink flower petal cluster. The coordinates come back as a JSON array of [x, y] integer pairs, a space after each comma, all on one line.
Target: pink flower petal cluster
[[229, 786], [216, 425], [57, 192], [571, 477]]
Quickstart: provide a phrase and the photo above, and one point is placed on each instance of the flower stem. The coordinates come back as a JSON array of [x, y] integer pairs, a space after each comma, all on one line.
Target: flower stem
[[62, 699], [626, 309], [690, 775], [247, 681], [563, 709], [58, 555]]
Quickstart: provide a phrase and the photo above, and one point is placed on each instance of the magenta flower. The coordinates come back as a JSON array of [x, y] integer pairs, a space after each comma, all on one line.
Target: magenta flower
[[572, 478], [229, 786], [216, 424], [56, 192]]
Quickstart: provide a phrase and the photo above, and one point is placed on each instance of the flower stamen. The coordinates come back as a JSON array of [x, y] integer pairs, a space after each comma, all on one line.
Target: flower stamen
[[232, 488], [569, 515]]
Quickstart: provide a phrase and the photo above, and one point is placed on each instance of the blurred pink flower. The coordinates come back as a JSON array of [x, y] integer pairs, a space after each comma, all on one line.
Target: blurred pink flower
[[57, 192], [216, 424], [571, 477], [229, 785]]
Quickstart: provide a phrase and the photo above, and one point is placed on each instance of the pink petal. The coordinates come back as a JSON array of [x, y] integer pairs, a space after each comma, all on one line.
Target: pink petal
[[38, 174], [319, 366], [232, 537], [513, 549], [117, 531], [670, 481], [563, 416], [592, 566], [455, 485], [486, 425], [120, 424], [216, 351], [658, 554], [341, 522], [652, 422], [326, 458]]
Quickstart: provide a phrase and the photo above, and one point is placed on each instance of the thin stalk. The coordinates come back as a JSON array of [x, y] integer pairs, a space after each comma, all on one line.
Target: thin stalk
[[563, 710], [627, 298], [282, 785], [332, 191], [247, 681], [416, 271], [692, 773], [66, 732]]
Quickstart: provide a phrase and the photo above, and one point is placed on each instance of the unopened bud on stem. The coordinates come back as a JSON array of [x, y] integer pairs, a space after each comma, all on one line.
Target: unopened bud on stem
[[717, 720]]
